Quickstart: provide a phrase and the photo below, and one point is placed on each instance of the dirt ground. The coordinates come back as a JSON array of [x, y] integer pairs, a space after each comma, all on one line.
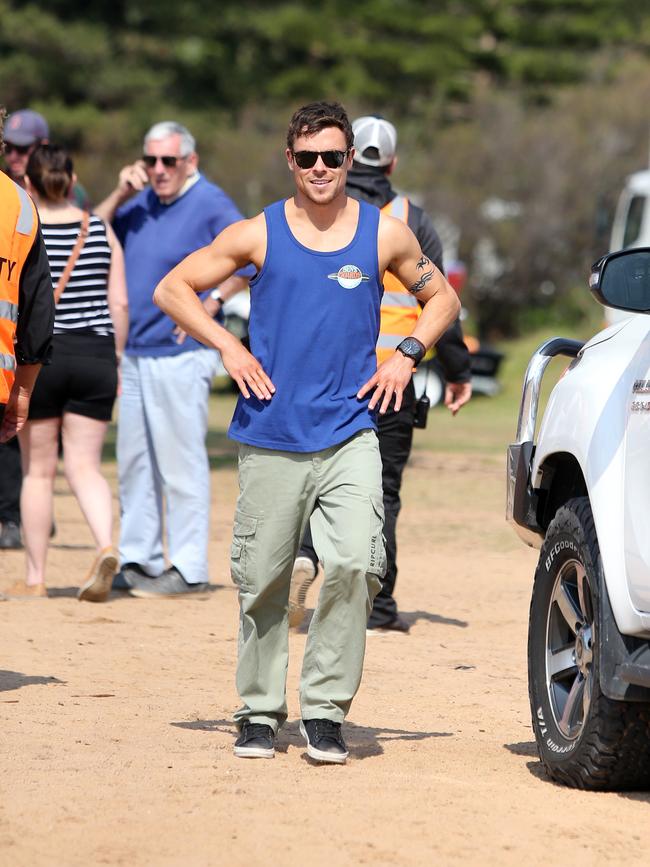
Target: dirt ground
[[116, 740]]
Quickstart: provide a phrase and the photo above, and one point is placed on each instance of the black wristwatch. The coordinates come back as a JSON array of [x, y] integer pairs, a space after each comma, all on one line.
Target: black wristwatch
[[413, 349]]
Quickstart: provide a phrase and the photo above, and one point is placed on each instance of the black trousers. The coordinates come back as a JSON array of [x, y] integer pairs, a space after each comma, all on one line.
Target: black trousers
[[395, 441], [11, 479]]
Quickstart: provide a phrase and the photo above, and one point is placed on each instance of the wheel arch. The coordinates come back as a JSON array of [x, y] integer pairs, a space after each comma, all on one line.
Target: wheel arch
[[559, 478]]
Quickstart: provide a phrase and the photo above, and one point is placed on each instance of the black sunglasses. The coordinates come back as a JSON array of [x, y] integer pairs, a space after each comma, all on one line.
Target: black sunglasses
[[20, 149], [170, 162], [332, 159]]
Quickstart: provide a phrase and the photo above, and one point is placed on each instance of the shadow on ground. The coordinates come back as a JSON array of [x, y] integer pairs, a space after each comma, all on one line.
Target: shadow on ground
[[410, 617], [528, 749], [363, 741], [15, 680], [71, 592]]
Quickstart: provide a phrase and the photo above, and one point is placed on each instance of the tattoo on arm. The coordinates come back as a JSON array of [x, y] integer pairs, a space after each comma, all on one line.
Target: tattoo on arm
[[426, 276]]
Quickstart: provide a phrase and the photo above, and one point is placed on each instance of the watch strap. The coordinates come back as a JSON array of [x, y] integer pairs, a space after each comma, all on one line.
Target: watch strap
[[412, 348]]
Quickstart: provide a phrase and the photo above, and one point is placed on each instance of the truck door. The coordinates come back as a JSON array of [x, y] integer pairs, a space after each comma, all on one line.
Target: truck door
[[637, 478]]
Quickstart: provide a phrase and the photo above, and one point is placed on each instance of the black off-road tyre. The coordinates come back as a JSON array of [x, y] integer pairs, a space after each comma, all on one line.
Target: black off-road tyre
[[584, 739]]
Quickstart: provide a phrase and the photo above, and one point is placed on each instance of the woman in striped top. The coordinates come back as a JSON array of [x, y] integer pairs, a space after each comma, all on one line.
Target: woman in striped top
[[75, 396]]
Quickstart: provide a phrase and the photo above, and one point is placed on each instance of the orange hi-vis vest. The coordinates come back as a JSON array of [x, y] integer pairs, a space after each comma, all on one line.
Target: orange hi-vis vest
[[18, 227], [399, 309]]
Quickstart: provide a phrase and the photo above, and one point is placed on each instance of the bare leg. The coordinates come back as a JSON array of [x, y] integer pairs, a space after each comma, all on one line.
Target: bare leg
[[83, 439], [39, 445]]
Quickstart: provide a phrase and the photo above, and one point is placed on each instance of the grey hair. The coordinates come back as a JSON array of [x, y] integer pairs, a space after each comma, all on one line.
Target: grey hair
[[169, 127]]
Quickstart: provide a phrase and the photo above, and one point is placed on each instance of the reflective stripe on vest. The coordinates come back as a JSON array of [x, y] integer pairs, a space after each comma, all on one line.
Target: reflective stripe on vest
[[18, 227], [8, 311], [27, 216], [7, 362], [399, 309]]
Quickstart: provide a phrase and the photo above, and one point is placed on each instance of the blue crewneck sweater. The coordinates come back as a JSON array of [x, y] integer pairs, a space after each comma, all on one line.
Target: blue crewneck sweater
[[155, 238]]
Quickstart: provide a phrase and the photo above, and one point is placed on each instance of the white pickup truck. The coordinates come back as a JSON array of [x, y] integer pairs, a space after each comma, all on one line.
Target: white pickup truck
[[580, 491]]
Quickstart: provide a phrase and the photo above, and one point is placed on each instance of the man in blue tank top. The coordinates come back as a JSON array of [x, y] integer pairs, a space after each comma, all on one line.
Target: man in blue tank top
[[305, 420]]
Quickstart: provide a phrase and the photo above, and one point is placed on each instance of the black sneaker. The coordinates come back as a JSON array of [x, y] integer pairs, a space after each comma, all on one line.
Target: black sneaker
[[169, 583], [10, 537], [129, 572], [324, 740], [255, 741], [396, 625]]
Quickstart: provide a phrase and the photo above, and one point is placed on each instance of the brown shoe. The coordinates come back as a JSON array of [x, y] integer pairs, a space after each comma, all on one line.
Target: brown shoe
[[99, 580], [21, 590]]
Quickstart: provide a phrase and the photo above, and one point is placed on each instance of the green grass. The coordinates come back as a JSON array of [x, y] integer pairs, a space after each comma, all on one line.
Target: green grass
[[488, 424]]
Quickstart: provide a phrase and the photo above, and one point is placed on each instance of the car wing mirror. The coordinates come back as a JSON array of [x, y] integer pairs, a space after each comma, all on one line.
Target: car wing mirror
[[622, 280]]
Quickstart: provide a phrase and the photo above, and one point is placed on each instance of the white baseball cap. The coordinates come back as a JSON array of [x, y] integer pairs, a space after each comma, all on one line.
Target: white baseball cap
[[375, 141]]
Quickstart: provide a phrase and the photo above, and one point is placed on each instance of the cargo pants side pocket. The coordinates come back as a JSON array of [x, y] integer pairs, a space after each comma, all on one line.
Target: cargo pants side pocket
[[242, 551]]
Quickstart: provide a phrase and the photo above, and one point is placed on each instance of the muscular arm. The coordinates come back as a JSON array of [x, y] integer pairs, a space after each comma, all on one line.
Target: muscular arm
[[176, 294], [231, 286], [428, 239], [404, 258], [400, 253]]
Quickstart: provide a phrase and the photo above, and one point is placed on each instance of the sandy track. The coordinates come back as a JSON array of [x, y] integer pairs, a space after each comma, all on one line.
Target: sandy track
[[116, 741]]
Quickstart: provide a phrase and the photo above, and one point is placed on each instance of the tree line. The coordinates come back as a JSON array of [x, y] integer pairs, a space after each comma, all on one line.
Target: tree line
[[495, 100]]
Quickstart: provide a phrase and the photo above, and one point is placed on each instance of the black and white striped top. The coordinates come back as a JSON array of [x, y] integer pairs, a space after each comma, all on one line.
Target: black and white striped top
[[84, 304]]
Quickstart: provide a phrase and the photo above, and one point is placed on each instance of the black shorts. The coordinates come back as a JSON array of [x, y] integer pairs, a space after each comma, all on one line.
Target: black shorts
[[82, 378]]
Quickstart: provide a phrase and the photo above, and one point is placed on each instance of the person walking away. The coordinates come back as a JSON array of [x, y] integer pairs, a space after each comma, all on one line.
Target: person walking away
[[162, 209], [24, 131], [74, 396], [305, 419], [26, 305], [368, 180]]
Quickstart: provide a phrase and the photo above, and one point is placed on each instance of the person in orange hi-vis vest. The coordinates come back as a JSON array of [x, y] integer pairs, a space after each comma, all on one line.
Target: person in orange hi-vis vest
[[24, 131], [375, 141], [26, 304]]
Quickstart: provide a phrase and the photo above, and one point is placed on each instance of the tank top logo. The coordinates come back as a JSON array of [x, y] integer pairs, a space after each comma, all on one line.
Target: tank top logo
[[349, 276]]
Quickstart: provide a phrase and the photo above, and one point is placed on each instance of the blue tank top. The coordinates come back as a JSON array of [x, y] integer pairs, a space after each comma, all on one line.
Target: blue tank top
[[313, 326]]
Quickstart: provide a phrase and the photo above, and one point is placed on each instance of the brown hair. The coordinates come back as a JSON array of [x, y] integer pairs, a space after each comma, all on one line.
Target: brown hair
[[316, 116], [50, 172]]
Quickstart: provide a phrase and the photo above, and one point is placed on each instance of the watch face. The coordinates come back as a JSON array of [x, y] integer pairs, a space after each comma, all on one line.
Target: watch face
[[410, 347]]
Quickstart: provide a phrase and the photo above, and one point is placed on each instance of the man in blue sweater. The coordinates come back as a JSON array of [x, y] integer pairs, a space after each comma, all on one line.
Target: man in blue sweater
[[162, 210]]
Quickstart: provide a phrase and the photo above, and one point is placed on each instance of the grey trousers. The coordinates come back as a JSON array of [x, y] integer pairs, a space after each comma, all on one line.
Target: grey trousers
[[279, 491], [163, 463]]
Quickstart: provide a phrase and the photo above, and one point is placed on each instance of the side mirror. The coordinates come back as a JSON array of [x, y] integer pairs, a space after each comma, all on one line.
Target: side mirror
[[622, 280]]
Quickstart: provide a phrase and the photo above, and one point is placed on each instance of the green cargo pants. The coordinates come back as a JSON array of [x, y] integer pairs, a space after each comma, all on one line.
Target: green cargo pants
[[279, 491]]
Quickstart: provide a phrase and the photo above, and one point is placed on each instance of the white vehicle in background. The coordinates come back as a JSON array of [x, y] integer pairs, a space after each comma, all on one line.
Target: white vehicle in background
[[631, 226], [580, 491]]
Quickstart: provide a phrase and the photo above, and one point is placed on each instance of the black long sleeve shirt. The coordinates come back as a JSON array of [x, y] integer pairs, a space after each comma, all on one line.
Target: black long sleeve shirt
[[35, 307]]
